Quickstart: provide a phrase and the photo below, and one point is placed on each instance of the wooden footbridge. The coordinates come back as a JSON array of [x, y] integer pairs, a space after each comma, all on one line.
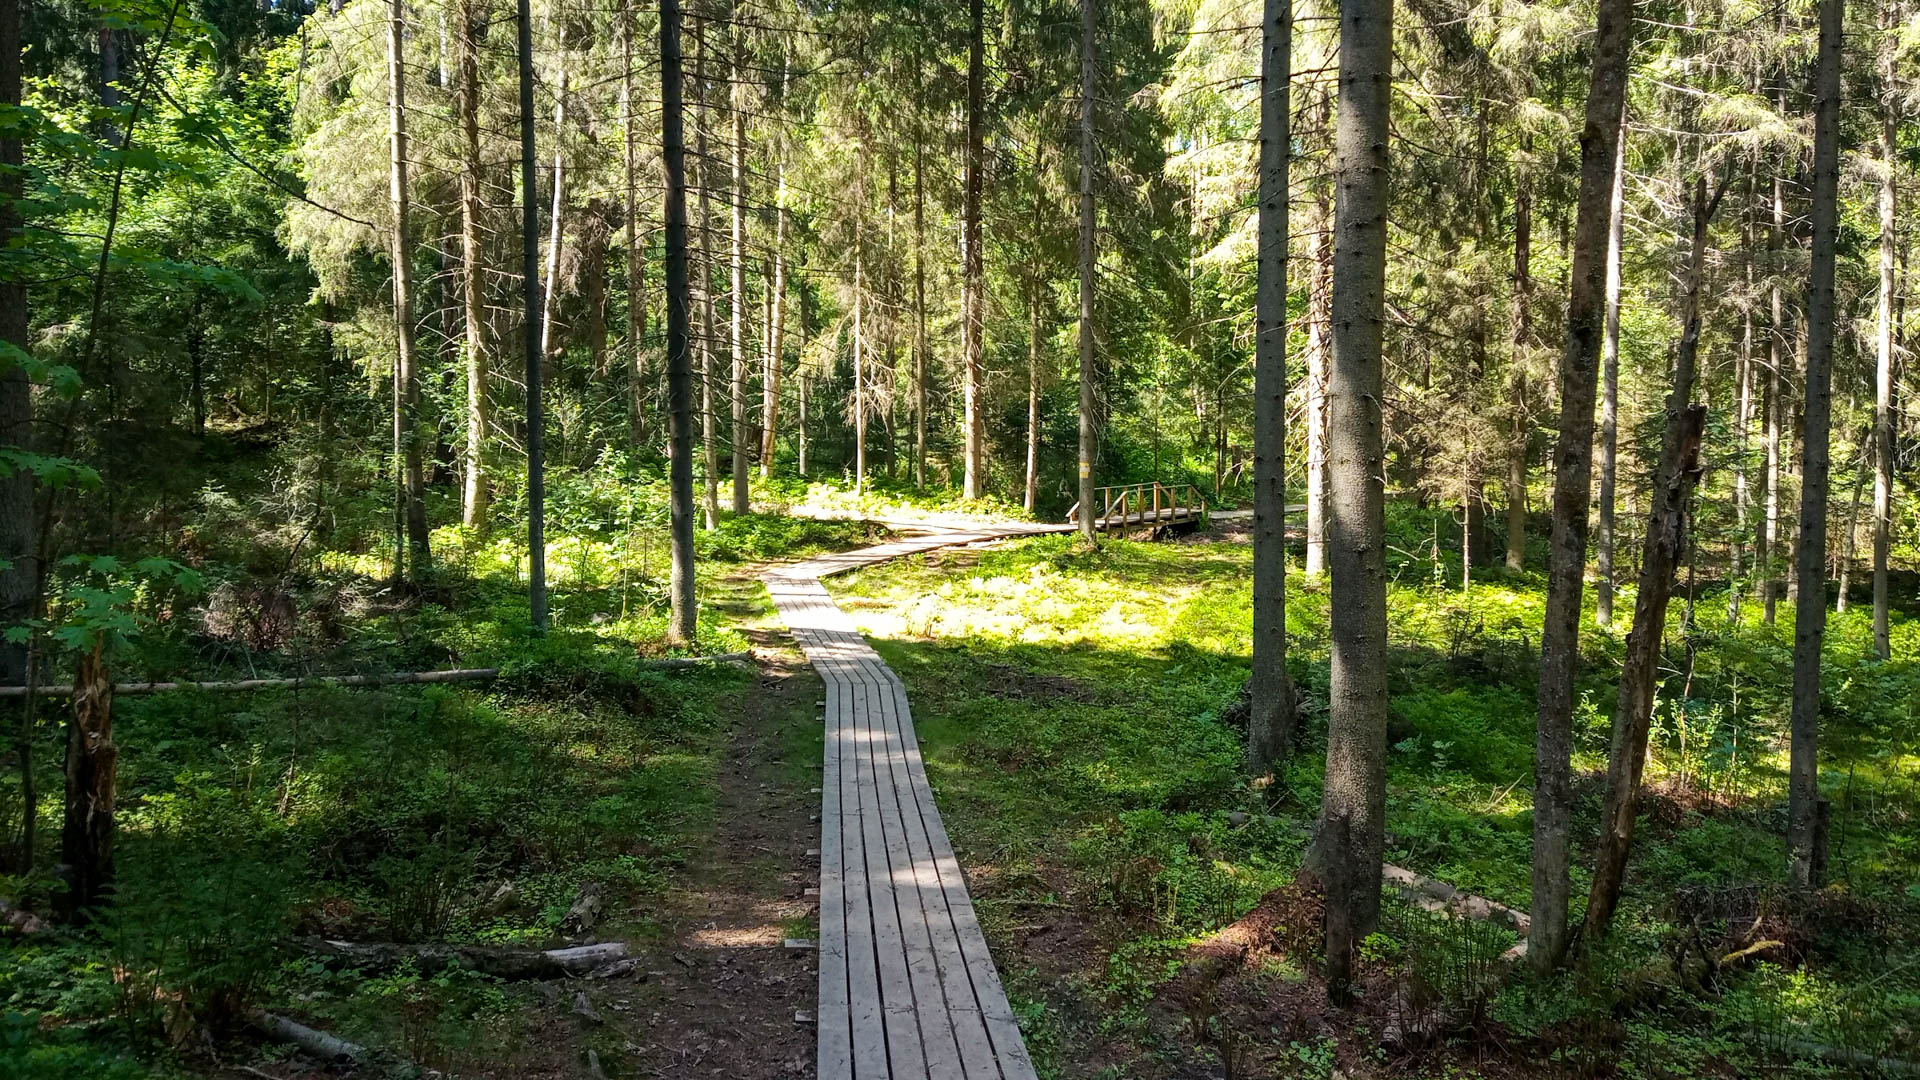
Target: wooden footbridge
[[1149, 505]]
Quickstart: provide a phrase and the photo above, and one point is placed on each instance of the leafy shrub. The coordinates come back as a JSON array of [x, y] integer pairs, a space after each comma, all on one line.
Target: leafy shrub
[[1168, 870]]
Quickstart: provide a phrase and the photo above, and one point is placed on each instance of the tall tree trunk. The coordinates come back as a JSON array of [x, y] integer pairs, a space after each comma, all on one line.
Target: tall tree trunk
[[1087, 269], [1270, 719], [1517, 380], [1849, 536], [860, 376], [636, 250], [681, 628], [1766, 545], [533, 335], [19, 546], [1318, 290], [1572, 487], [594, 269], [475, 493], [919, 309], [406, 420], [973, 315], [1666, 540], [1810, 611], [197, 363], [1884, 344], [1032, 493], [557, 231], [709, 449], [1743, 421], [776, 331], [1610, 380], [737, 337], [86, 838], [1353, 805]]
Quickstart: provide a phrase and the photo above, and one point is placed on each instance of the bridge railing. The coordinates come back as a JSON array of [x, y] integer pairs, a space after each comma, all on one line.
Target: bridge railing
[[1143, 504]]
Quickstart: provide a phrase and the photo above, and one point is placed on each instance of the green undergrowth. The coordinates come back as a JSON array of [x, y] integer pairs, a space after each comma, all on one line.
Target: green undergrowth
[[465, 813], [883, 497], [1076, 711]]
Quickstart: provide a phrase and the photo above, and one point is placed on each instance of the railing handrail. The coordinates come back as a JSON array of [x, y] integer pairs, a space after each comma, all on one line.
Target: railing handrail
[[1112, 501]]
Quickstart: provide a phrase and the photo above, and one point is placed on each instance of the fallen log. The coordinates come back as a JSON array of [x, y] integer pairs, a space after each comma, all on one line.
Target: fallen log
[[21, 921], [1432, 894], [508, 964], [237, 685], [328, 1048], [744, 659], [393, 678]]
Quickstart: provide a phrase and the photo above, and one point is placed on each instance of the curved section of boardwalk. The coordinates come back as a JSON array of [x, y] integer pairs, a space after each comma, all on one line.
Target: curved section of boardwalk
[[908, 989]]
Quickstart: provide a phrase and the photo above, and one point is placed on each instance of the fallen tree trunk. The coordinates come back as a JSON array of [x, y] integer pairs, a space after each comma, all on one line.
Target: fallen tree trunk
[[388, 679], [122, 689], [674, 663], [328, 1048], [1432, 894], [509, 964], [21, 921]]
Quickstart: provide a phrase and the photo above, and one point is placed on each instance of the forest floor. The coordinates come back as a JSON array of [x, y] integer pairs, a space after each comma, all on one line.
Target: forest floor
[[1077, 714], [727, 1000]]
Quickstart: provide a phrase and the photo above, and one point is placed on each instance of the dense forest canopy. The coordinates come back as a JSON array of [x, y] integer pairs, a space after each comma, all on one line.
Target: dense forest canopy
[[1561, 351]]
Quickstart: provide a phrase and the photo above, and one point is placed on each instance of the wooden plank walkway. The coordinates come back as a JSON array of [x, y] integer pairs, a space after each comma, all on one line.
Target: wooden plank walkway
[[908, 990]]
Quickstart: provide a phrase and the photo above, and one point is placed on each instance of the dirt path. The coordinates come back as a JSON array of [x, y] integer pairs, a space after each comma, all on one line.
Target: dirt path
[[717, 993]]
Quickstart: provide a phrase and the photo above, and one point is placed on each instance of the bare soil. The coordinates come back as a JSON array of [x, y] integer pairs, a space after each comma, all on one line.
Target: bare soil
[[720, 993]]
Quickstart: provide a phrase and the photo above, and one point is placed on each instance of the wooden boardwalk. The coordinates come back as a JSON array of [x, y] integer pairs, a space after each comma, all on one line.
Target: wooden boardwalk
[[908, 989]]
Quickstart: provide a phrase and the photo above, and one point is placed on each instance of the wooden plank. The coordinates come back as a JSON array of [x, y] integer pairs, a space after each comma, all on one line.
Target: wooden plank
[[934, 951], [834, 1052], [1005, 1031], [896, 991], [863, 976], [927, 1011]]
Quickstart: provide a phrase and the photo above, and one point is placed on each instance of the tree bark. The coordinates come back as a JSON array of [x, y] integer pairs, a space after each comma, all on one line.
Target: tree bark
[[475, 493], [533, 336], [1572, 487], [636, 250], [1610, 380], [19, 544], [1270, 718], [1884, 343], [1666, 541], [742, 453], [86, 837], [1810, 613], [973, 315], [776, 331], [557, 214], [1353, 805], [1318, 324], [919, 309], [709, 449], [406, 418], [673, 151], [1087, 271], [1032, 492], [1766, 545], [1743, 420], [860, 377], [1517, 379]]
